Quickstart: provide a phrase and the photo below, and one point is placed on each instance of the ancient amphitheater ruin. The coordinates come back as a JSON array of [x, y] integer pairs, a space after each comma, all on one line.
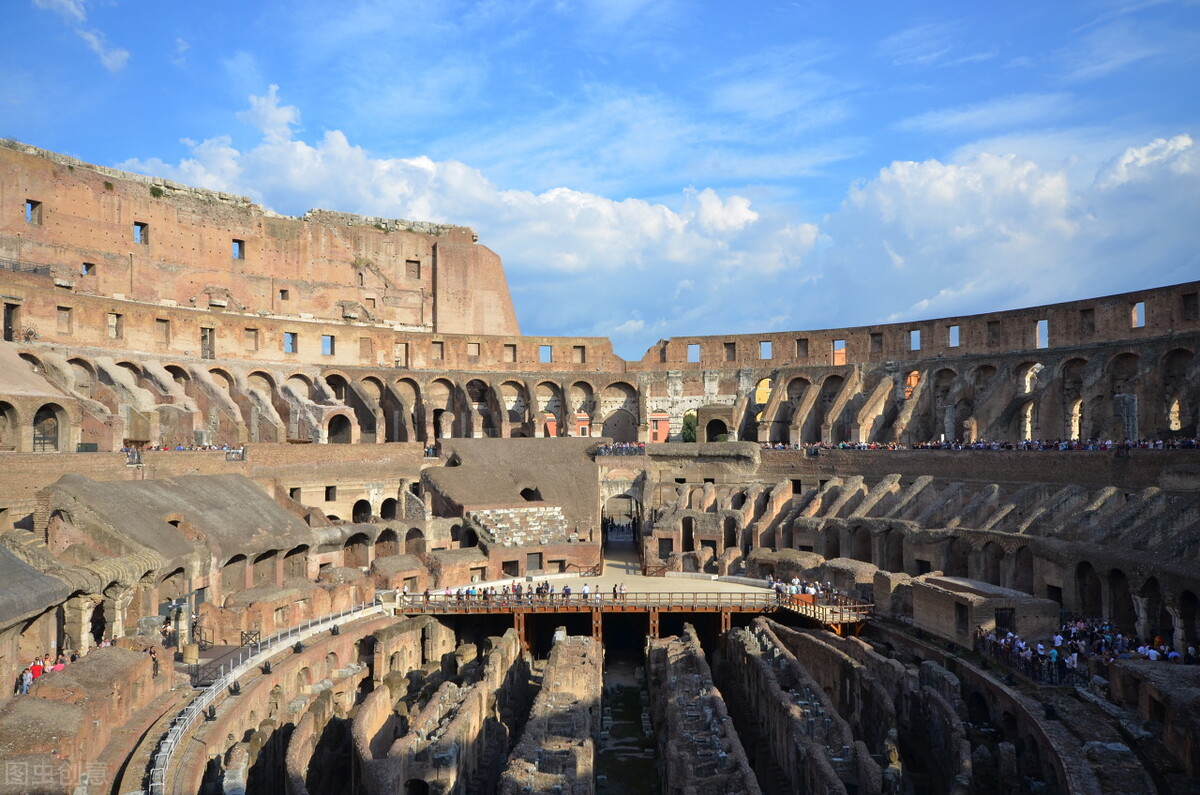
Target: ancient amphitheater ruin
[[313, 464]]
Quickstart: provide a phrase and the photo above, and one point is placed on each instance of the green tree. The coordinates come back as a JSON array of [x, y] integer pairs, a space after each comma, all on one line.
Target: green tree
[[688, 431]]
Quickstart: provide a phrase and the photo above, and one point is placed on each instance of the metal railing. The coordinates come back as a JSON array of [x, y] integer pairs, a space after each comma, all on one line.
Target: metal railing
[[252, 657], [711, 600]]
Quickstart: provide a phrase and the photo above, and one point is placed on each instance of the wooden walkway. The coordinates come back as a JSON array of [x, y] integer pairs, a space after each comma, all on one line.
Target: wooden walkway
[[839, 614]]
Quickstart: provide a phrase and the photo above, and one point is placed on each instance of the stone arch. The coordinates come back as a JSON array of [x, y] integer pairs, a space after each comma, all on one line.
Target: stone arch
[[264, 568], [355, 552], [10, 426], [479, 401], [582, 398], [730, 533], [233, 575], [1189, 607], [179, 375], [1158, 619], [958, 555], [389, 508], [441, 396], [408, 394], [1120, 601], [51, 428], [893, 550], [619, 395], [387, 544], [620, 426], [838, 431], [687, 528], [1027, 421], [981, 377], [786, 413], [83, 374], [262, 381], [340, 430], [716, 430], [1027, 376], [1179, 404], [551, 408], [361, 512], [989, 562], [414, 542], [1123, 387], [295, 563], [1088, 591], [514, 401], [858, 539], [300, 385], [1023, 570]]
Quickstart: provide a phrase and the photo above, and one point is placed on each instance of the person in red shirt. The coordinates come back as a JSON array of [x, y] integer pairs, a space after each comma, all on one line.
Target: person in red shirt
[[37, 668]]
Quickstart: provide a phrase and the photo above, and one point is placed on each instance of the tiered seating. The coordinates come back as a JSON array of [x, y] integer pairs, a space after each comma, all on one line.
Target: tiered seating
[[520, 527]]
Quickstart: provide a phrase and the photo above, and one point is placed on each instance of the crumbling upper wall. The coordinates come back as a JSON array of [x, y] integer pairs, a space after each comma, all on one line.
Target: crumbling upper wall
[[154, 240]]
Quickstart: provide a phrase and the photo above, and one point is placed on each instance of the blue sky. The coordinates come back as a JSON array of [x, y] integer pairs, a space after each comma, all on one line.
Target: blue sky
[[655, 168]]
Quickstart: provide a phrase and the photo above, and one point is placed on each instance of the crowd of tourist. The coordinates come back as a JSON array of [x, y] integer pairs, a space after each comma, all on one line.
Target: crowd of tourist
[[1172, 443], [622, 448], [431, 451], [1063, 660], [46, 664], [544, 592], [785, 589]]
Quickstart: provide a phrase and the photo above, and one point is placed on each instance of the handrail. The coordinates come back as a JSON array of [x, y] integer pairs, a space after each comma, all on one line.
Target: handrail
[[831, 610], [183, 722]]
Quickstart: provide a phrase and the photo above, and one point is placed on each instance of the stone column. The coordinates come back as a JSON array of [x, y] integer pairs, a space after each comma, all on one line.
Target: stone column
[[1141, 610], [1179, 637]]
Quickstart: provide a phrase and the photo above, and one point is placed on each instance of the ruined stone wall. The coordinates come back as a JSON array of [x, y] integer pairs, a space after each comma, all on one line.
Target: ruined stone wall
[[698, 749], [556, 751], [74, 713], [200, 248], [454, 738]]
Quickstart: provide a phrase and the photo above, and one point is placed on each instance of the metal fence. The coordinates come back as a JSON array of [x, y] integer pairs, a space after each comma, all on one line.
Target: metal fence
[[252, 657]]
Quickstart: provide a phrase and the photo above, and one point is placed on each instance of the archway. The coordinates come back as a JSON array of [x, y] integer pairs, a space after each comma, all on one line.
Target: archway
[[860, 543], [414, 542], [387, 509], [1121, 601], [1023, 571], [619, 520], [990, 557], [355, 553], [620, 426], [48, 425], [361, 512], [689, 534], [1087, 584], [387, 544], [716, 431], [339, 429], [98, 623]]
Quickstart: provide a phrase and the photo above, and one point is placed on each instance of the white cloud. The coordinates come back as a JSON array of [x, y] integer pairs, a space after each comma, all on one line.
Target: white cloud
[[1004, 112], [982, 231], [74, 13]]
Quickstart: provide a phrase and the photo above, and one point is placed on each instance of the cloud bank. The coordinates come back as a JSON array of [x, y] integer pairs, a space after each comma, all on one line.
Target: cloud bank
[[988, 230]]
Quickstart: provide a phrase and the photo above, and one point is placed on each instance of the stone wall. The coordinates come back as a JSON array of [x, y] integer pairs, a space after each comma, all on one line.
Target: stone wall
[[556, 751], [698, 749]]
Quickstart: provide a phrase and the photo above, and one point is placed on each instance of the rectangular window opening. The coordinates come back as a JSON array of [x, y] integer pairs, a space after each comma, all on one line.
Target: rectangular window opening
[[284, 295], [239, 249], [250, 339], [510, 353], [1042, 334], [877, 342], [802, 348], [914, 340], [327, 345], [579, 354], [839, 352], [693, 352], [1137, 315], [141, 233], [1087, 321], [33, 212], [730, 351], [330, 493], [1190, 306], [438, 351], [116, 326], [291, 342], [400, 354], [473, 349], [64, 320], [294, 493], [412, 269], [764, 350], [366, 348], [952, 336], [545, 353], [88, 269], [162, 329], [993, 331]]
